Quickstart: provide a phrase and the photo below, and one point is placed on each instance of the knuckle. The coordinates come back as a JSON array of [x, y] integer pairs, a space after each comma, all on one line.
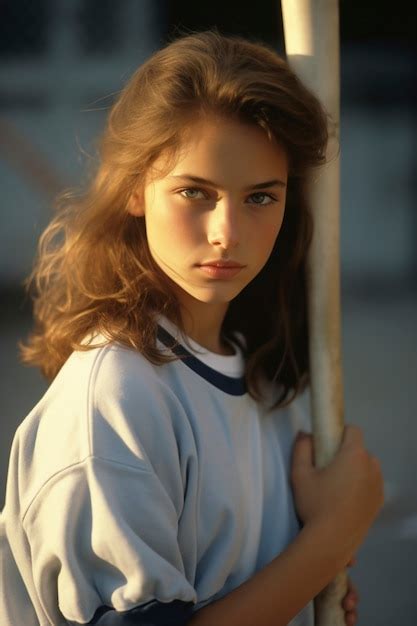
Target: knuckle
[[353, 436], [376, 465], [356, 430], [361, 455]]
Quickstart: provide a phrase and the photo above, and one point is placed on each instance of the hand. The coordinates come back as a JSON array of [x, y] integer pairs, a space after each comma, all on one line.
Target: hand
[[350, 603], [345, 497]]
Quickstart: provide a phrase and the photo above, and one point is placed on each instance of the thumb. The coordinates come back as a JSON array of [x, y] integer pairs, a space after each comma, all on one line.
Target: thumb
[[303, 452]]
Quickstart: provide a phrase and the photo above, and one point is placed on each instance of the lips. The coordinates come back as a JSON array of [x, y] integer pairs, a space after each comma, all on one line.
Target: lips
[[229, 264], [220, 272]]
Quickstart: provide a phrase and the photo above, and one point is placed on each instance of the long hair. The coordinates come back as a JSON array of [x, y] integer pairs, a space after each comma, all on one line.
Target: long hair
[[94, 271]]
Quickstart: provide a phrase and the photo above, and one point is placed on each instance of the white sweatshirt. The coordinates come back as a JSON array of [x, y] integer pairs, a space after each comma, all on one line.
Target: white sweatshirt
[[137, 493]]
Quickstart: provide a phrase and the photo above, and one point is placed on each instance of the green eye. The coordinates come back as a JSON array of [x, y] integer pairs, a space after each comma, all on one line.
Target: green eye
[[263, 195], [193, 191]]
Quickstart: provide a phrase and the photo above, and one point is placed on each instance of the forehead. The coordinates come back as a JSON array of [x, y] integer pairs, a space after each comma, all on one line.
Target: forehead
[[227, 151]]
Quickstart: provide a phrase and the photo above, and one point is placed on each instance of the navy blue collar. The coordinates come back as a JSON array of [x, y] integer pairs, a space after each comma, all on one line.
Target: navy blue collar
[[228, 384]]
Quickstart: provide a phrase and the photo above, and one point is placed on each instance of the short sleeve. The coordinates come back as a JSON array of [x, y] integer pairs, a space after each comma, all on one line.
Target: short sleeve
[[103, 538]]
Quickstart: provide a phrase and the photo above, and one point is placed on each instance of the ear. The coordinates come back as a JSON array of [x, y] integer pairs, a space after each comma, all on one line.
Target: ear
[[135, 205]]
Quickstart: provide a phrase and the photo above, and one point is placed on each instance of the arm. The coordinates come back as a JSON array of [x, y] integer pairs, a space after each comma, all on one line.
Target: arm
[[337, 506], [275, 594], [256, 601]]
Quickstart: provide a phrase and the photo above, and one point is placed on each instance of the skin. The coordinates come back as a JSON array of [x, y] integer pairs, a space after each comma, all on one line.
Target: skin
[[350, 602], [221, 221], [214, 222]]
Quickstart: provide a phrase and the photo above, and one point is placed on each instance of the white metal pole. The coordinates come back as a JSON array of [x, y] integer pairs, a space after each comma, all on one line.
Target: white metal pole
[[311, 31]]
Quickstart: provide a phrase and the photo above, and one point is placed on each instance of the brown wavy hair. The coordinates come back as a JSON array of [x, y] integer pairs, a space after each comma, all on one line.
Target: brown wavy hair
[[94, 271]]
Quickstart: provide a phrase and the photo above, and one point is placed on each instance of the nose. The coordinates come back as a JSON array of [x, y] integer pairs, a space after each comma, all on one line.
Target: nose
[[222, 227]]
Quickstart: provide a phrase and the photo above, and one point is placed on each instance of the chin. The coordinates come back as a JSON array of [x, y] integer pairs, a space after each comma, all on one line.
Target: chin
[[213, 296]]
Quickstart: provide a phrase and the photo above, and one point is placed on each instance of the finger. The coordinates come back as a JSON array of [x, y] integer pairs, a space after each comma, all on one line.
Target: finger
[[352, 434], [351, 586], [351, 618], [303, 451], [353, 590], [350, 600]]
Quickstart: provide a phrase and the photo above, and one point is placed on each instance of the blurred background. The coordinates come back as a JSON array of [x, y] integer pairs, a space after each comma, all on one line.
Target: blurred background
[[61, 64]]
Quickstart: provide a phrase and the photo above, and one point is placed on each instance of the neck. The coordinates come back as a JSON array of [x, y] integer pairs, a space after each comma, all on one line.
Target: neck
[[203, 323]]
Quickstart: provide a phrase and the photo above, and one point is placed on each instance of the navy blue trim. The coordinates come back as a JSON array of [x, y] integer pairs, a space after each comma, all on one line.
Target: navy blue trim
[[228, 384], [153, 613]]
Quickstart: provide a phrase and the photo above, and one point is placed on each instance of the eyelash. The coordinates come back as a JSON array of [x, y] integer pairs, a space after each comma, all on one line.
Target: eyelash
[[257, 193]]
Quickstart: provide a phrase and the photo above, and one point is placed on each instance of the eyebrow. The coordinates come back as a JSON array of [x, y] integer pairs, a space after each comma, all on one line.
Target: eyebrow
[[204, 181]]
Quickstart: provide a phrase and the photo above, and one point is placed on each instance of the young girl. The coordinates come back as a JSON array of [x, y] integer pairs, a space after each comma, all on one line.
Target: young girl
[[158, 481]]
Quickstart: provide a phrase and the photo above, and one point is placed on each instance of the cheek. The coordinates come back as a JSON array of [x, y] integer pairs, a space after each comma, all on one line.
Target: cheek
[[184, 226], [267, 235], [265, 248], [169, 229]]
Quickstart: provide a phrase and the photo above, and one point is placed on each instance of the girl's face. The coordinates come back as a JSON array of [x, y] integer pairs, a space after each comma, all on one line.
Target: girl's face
[[223, 200]]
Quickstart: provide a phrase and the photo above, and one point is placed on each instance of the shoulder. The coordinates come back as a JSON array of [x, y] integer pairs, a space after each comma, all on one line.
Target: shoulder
[[107, 402], [125, 406], [105, 361], [114, 371], [104, 375], [133, 413]]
